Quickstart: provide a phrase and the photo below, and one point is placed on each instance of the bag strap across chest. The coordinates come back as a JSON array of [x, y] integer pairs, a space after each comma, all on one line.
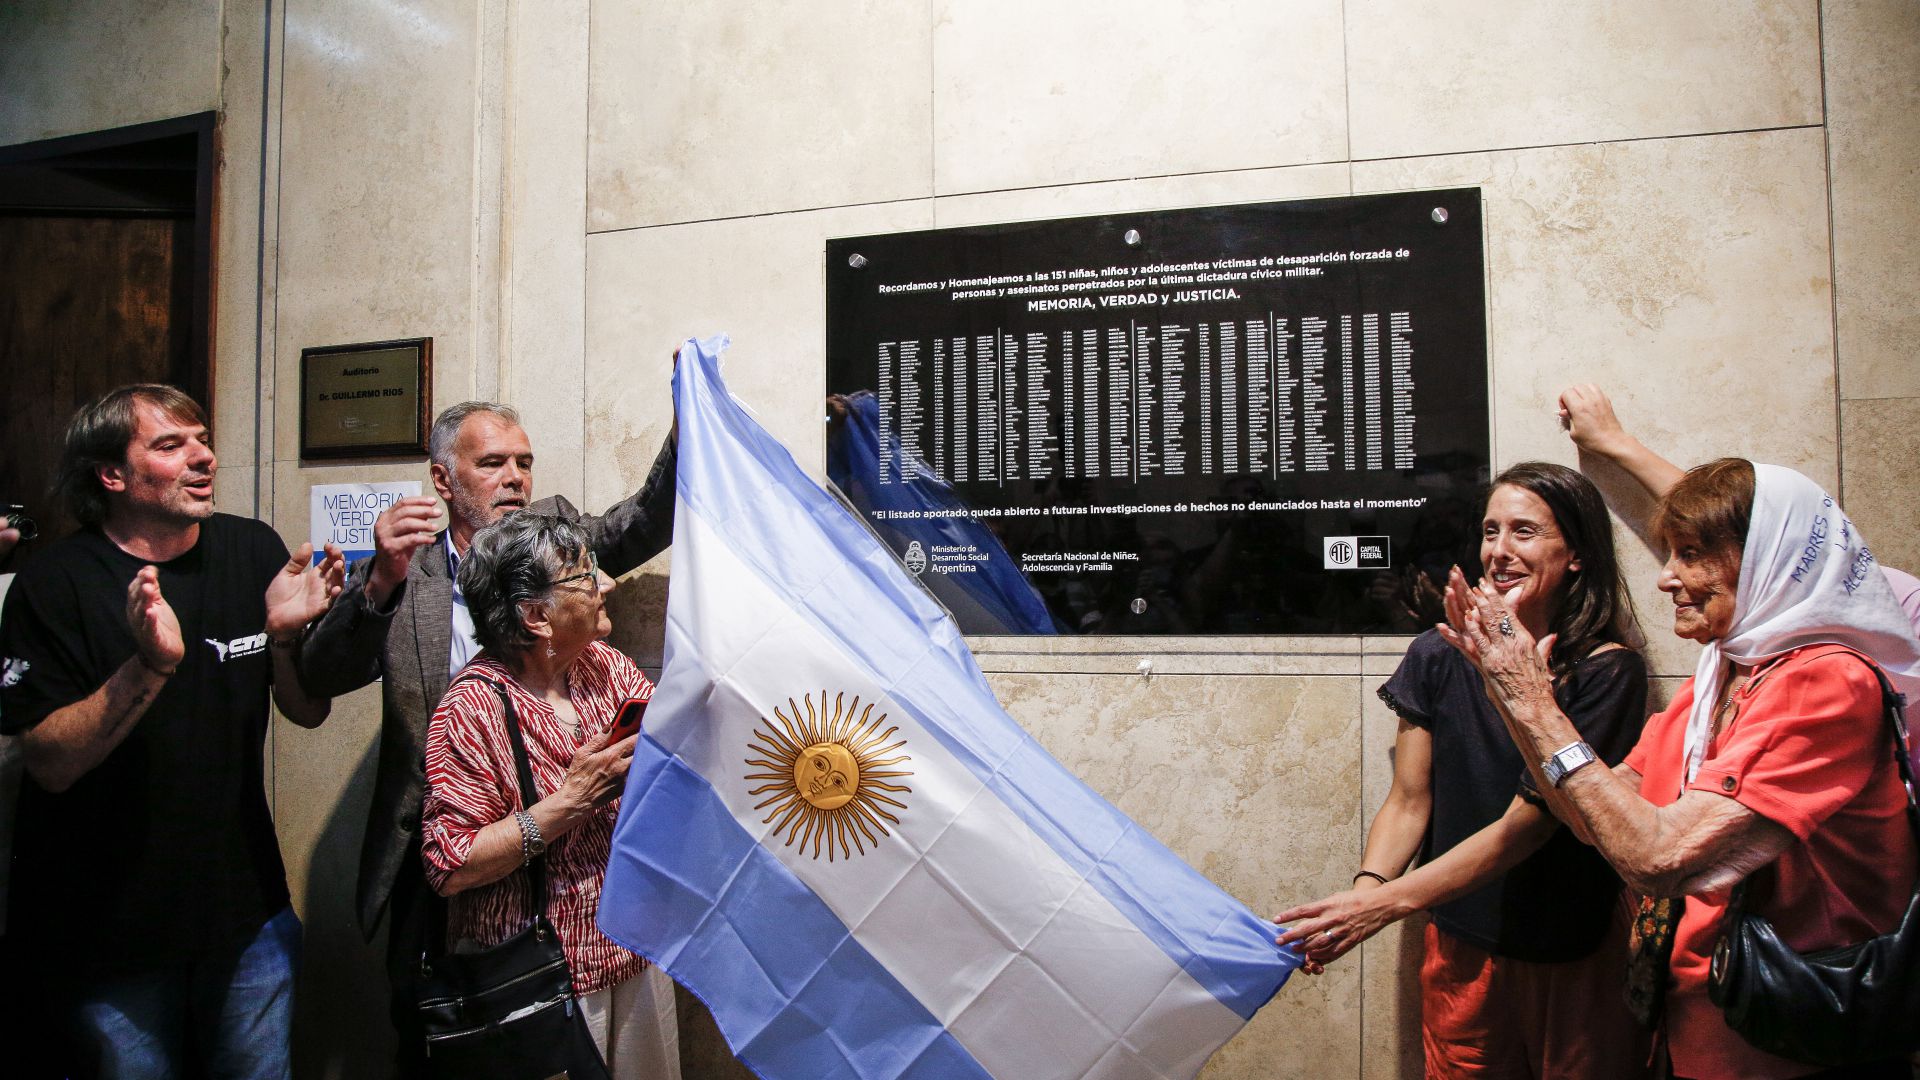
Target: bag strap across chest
[[529, 792]]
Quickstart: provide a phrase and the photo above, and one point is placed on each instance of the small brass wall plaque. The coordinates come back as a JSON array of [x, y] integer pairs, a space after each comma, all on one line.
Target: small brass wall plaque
[[365, 401]]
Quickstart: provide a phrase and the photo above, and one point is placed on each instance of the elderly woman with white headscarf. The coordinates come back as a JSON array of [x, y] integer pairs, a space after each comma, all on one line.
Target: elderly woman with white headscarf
[[1772, 763]]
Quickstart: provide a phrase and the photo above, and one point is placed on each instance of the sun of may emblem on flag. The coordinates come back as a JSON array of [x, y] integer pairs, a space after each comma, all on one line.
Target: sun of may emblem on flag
[[829, 775]]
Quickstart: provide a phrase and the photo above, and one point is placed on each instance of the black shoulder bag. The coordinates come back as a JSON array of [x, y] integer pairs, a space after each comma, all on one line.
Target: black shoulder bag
[[1841, 1006], [508, 1013]]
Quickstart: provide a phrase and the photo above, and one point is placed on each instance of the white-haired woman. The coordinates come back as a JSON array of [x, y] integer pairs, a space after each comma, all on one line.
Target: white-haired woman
[[537, 600]]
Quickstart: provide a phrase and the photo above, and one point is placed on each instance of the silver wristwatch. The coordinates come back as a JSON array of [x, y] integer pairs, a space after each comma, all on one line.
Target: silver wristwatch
[[532, 844], [1566, 761]]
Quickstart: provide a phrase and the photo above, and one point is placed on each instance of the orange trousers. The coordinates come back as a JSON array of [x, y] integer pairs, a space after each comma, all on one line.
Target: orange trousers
[[1488, 1017]]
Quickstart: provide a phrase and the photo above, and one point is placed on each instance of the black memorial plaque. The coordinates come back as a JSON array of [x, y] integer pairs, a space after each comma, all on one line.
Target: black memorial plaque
[[1263, 419]]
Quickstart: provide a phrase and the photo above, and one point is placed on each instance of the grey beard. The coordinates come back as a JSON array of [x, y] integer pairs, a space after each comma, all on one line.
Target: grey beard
[[469, 509]]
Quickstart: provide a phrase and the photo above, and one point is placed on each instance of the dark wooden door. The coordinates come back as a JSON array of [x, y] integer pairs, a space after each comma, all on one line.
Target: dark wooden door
[[86, 304], [106, 278]]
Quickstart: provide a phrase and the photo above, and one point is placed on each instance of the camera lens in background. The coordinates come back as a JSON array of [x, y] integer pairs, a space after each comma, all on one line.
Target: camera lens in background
[[17, 519]]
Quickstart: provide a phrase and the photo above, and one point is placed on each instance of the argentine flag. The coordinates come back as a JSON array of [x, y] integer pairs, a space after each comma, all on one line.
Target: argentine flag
[[835, 837]]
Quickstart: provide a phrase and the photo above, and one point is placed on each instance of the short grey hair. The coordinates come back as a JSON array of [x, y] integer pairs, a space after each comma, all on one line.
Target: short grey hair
[[446, 427], [512, 562]]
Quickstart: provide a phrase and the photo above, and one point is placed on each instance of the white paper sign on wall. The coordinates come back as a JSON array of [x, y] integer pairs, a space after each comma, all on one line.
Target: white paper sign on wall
[[343, 514]]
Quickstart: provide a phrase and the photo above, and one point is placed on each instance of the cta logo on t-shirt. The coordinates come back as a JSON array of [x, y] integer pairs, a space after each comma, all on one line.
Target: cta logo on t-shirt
[[12, 671], [240, 646]]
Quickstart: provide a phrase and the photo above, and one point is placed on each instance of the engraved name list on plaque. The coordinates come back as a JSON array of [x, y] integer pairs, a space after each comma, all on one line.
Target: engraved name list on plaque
[[1258, 419]]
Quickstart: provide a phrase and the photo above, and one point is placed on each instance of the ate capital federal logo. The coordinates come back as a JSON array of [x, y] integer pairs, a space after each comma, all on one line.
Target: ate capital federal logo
[[1356, 552]]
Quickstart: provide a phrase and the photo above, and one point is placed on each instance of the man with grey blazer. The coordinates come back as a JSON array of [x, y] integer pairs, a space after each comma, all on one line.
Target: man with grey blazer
[[401, 618]]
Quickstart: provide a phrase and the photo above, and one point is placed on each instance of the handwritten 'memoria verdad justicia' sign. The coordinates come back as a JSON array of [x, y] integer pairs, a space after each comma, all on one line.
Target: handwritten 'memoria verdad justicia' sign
[[343, 514]]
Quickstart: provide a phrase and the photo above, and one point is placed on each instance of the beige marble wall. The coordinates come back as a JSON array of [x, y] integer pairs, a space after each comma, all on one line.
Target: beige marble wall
[[1873, 140], [1466, 75], [543, 241], [73, 66], [1256, 782], [1038, 95], [758, 280], [1390, 960], [243, 381], [724, 110], [1873, 146], [1882, 442]]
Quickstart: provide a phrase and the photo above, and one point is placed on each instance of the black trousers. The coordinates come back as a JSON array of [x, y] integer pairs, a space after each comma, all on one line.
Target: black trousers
[[416, 918], [27, 1013]]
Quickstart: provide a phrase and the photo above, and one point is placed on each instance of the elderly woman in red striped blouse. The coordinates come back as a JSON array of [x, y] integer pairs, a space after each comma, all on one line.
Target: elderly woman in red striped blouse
[[538, 604]]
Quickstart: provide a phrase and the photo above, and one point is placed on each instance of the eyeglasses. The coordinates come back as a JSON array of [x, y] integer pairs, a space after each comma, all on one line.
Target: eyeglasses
[[592, 571]]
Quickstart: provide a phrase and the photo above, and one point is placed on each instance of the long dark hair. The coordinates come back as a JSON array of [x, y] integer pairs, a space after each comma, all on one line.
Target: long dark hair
[[1595, 609]]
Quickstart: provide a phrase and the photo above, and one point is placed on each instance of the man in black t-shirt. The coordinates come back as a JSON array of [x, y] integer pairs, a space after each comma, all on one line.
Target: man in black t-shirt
[[150, 909]]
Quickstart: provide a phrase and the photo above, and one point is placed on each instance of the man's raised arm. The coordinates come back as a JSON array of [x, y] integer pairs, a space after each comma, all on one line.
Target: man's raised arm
[[640, 526]]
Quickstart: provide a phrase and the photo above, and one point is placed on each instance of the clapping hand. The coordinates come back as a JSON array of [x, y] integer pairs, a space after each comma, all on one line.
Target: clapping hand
[[303, 590], [156, 630], [1511, 663]]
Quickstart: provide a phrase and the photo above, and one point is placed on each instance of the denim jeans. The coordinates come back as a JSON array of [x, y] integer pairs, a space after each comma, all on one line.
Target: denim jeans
[[228, 1016]]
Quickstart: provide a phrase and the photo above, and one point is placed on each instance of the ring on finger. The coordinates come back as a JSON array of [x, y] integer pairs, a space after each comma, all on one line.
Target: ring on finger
[[1506, 625]]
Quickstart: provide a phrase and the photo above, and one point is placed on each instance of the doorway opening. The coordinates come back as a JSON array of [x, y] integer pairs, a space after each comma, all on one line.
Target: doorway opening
[[106, 278]]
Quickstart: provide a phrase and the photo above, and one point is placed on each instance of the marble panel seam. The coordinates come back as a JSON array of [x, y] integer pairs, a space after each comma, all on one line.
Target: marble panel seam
[[1833, 278], [793, 212], [1630, 140], [957, 195]]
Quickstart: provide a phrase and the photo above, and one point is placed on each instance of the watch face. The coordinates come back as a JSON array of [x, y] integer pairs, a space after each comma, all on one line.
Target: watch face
[[1565, 761]]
